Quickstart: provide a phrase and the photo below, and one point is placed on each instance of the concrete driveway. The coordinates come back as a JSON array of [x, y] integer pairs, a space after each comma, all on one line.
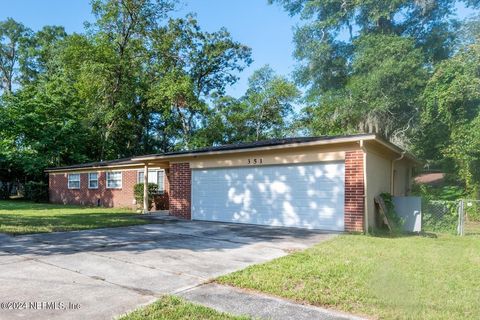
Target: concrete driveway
[[104, 273]]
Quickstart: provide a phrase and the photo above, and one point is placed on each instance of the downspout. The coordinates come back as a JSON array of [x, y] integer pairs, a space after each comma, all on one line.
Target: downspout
[[392, 173], [365, 209]]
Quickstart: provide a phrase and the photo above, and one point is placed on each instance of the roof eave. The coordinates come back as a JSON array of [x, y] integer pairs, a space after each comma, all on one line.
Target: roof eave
[[141, 160], [248, 149], [69, 169], [397, 150]]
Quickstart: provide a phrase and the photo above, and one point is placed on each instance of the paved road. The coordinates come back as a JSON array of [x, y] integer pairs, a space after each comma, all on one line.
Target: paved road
[[103, 273]]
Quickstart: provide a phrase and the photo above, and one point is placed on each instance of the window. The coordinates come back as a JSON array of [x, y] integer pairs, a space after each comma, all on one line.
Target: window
[[74, 181], [160, 181], [154, 176], [93, 180], [114, 180]]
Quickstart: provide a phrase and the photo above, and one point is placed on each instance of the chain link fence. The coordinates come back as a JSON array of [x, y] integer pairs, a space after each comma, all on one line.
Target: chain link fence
[[440, 216], [460, 217], [469, 220]]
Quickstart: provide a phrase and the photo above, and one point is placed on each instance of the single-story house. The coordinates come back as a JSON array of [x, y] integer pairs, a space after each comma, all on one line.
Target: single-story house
[[310, 182]]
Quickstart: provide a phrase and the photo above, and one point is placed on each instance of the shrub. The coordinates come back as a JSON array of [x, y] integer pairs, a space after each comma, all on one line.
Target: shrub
[[138, 193], [36, 191], [4, 190], [161, 201]]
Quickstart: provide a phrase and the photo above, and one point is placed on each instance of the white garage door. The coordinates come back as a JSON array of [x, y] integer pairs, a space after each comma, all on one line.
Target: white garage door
[[306, 196]]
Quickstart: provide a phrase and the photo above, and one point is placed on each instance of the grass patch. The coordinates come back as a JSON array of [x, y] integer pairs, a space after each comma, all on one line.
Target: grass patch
[[472, 228], [392, 278], [173, 308], [19, 217]]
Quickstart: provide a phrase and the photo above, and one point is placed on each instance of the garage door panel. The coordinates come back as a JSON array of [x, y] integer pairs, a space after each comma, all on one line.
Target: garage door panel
[[309, 196]]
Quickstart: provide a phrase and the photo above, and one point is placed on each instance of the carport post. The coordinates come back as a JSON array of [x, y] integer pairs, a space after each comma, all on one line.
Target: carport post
[[145, 188]]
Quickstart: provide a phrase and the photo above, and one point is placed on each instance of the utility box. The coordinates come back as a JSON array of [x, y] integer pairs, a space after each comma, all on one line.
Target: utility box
[[410, 210]]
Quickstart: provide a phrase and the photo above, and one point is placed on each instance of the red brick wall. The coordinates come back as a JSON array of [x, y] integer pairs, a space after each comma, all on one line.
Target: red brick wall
[[59, 192], [180, 182], [354, 191]]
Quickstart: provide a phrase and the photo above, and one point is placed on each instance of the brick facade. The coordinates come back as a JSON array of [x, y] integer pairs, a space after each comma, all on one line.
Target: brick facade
[[178, 191], [122, 198], [354, 191], [180, 182]]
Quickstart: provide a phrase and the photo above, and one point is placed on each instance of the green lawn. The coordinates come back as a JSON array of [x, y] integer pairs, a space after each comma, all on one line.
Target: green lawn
[[17, 217], [173, 308], [472, 228], [389, 278]]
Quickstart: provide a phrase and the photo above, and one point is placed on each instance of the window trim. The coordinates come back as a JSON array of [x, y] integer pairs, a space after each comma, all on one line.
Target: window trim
[[107, 179], [89, 180], [79, 181]]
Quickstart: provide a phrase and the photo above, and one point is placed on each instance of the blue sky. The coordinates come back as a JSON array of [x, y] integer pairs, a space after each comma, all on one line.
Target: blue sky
[[267, 29]]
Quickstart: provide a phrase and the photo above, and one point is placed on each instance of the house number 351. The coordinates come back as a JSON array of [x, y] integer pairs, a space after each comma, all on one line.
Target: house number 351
[[255, 160]]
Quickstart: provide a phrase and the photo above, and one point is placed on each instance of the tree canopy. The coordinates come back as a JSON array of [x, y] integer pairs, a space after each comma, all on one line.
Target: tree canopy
[[140, 79], [405, 69], [136, 81]]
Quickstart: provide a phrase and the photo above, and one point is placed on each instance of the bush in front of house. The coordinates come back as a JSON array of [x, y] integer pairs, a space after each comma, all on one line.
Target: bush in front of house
[[36, 191], [138, 194], [161, 201]]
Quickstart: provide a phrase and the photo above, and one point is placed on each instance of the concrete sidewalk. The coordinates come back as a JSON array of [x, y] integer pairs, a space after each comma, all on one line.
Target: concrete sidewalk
[[242, 302]]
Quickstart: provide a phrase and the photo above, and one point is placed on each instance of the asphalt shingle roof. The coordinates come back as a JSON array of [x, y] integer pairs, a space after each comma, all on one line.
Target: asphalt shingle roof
[[226, 147], [257, 144]]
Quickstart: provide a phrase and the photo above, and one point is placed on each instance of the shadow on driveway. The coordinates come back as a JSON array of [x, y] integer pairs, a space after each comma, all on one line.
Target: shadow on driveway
[[111, 271], [163, 234]]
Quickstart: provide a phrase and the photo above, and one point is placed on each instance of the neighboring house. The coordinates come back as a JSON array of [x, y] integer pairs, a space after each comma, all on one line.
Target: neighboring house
[[314, 182], [434, 179]]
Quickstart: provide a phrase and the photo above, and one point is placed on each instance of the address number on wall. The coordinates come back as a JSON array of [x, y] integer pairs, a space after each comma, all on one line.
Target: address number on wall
[[255, 161]]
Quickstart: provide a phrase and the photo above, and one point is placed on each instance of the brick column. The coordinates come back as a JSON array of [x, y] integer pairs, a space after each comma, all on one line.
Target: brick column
[[180, 182], [354, 191]]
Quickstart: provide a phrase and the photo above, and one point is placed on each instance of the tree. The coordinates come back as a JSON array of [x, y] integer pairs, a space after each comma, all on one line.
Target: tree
[[190, 67], [135, 82], [40, 53], [264, 112], [42, 127], [269, 99], [450, 116], [143, 77], [110, 77], [381, 94], [464, 151], [13, 37], [338, 36]]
